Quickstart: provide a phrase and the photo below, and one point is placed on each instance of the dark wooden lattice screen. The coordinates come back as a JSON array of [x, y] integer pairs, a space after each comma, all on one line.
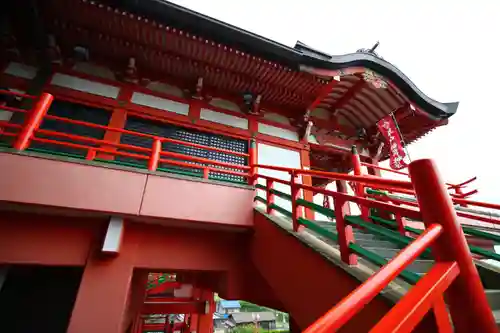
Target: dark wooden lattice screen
[[187, 135]]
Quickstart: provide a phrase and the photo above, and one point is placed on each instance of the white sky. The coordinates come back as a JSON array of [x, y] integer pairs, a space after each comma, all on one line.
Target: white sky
[[435, 43]]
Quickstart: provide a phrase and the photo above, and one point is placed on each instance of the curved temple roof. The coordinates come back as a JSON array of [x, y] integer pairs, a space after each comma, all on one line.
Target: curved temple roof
[[300, 57]]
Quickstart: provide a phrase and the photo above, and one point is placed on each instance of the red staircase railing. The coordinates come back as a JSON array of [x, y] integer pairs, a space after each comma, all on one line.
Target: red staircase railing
[[27, 132], [453, 273]]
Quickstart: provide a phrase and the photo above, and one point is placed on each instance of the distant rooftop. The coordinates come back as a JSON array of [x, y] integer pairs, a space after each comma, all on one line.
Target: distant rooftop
[[230, 304]]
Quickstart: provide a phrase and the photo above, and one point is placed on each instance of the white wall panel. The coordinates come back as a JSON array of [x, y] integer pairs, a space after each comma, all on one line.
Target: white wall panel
[[223, 118], [276, 156], [91, 87], [160, 103], [278, 132], [21, 70]]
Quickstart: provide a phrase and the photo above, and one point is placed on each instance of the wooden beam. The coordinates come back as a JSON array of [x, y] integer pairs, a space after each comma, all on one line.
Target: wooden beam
[[349, 94]]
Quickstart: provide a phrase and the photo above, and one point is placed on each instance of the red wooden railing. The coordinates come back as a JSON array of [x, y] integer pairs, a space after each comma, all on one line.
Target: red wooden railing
[[453, 273], [458, 188], [27, 132]]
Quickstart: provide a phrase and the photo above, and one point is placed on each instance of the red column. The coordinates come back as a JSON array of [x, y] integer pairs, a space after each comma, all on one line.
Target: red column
[[307, 180], [101, 303], [136, 297], [154, 159], [467, 301], [360, 190], [33, 121], [205, 321], [252, 160], [117, 120]]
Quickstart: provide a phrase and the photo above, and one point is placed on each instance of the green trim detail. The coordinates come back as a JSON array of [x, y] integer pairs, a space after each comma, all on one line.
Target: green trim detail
[[57, 153], [261, 199], [485, 253], [317, 208], [481, 234], [374, 258], [317, 229], [392, 236], [281, 194], [281, 210], [261, 187]]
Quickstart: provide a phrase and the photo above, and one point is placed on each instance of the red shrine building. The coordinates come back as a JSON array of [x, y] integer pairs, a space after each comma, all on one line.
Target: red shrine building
[[151, 157]]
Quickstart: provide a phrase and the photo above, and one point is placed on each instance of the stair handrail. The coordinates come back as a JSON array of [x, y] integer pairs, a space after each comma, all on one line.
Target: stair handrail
[[459, 194], [347, 308], [451, 252]]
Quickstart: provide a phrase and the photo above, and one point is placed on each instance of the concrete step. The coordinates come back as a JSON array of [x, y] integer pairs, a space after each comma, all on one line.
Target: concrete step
[[387, 253], [493, 296], [420, 266], [376, 243]]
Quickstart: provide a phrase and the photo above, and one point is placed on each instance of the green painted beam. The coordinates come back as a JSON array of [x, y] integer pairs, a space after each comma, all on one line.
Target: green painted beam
[[261, 199], [318, 229], [374, 258], [392, 236], [481, 234], [317, 208], [281, 210]]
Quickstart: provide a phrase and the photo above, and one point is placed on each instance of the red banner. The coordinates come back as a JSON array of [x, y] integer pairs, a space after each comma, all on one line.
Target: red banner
[[388, 129]]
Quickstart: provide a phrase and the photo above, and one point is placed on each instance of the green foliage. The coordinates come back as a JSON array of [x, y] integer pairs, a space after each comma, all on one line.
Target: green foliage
[[246, 329]]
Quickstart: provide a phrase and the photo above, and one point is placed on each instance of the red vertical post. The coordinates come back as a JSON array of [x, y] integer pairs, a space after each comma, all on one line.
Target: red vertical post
[[344, 232], [33, 122], [91, 154], [252, 161], [154, 159], [360, 190], [466, 293], [295, 191], [269, 195], [206, 173]]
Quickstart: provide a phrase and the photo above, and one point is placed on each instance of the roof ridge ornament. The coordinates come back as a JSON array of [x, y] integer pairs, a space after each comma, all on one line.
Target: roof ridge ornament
[[370, 50]]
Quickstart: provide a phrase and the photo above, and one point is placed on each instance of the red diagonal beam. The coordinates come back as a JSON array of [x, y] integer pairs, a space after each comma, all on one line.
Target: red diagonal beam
[[349, 94], [322, 94]]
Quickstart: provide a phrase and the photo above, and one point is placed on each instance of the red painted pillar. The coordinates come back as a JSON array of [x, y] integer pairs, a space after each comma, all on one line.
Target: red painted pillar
[[467, 301], [136, 297], [154, 159], [252, 160], [101, 303], [307, 180], [33, 122], [360, 190], [205, 321]]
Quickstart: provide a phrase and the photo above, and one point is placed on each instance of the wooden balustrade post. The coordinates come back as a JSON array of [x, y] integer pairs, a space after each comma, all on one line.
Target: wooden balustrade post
[[466, 294], [269, 196], [295, 191], [359, 188], [344, 232], [91, 154], [252, 161], [154, 159], [33, 121]]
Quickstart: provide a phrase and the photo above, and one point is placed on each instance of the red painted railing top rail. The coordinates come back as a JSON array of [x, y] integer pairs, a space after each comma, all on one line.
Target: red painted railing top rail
[[367, 180], [456, 187], [356, 300], [17, 94]]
